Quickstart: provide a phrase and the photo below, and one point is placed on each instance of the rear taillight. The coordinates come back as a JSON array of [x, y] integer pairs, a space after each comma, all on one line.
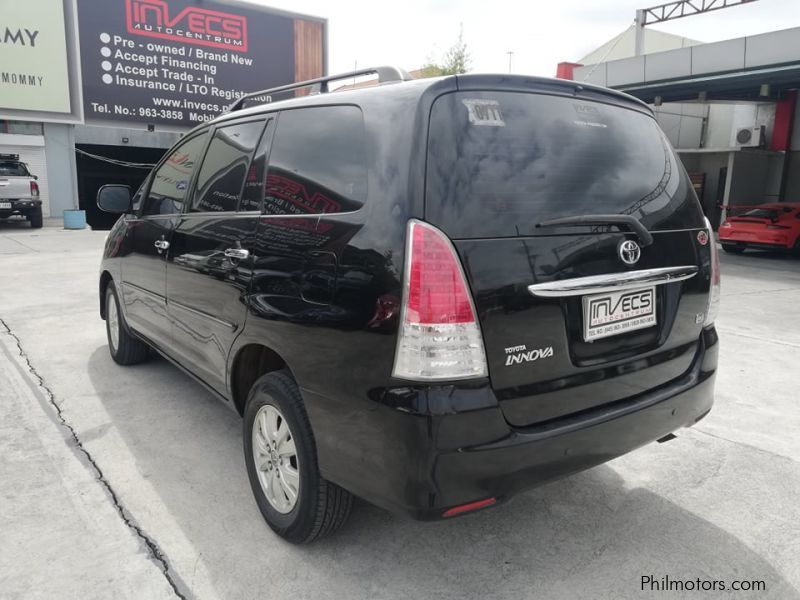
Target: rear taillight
[[713, 293], [439, 337], [34, 189]]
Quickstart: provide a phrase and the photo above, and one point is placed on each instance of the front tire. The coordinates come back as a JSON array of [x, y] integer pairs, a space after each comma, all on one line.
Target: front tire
[[124, 348], [281, 457]]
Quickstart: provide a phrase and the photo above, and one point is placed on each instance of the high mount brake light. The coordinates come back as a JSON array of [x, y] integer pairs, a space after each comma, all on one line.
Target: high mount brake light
[[439, 337]]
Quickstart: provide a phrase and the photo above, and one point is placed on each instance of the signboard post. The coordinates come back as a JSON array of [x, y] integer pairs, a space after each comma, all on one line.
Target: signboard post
[[178, 62], [34, 75]]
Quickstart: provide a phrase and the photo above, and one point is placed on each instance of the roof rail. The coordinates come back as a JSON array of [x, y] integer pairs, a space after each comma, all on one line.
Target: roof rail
[[385, 74]]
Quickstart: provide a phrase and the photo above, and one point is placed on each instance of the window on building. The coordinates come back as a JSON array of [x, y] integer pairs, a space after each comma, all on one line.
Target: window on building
[[221, 179], [21, 128], [171, 180], [317, 164]]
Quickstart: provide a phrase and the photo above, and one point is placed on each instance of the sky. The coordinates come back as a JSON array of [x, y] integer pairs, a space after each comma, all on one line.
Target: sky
[[539, 33]]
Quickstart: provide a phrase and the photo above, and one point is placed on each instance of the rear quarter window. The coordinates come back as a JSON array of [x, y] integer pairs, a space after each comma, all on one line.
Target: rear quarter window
[[317, 164], [501, 162]]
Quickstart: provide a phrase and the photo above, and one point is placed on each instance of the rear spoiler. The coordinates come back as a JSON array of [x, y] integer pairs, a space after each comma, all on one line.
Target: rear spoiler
[[730, 207]]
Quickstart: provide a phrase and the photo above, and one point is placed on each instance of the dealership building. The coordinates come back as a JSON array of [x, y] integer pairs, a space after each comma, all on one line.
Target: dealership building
[[93, 91], [729, 108]]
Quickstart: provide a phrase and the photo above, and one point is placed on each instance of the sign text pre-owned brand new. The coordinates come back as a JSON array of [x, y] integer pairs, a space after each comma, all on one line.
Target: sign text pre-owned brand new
[[178, 62], [193, 25]]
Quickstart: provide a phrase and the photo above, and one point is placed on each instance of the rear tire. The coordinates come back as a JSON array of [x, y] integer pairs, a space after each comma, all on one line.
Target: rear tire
[[796, 248], [36, 219], [124, 348], [295, 501], [733, 248]]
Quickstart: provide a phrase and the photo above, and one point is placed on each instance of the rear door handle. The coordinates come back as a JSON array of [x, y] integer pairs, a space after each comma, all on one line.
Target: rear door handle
[[237, 253]]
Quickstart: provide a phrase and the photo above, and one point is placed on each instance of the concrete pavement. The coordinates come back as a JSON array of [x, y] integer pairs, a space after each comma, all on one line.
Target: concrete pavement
[[173, 506]]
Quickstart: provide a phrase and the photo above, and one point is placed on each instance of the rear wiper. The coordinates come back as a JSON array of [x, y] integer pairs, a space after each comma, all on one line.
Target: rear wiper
[[632, 223]]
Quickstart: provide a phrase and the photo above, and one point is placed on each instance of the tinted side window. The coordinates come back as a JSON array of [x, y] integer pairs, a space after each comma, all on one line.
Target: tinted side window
[[136, 203], [221, 178], [318, 162], [171, 179], [253, 191]]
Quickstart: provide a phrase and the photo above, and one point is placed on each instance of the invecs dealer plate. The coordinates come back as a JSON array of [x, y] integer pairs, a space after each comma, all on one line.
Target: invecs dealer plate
[[615, 313]]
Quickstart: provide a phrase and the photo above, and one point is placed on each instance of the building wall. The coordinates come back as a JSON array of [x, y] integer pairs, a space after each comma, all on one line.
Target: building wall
[[720, 123], [756, 177], [792, 193], [682, 123], [710, 164], [624, 45], [59, 144], [113, 136]]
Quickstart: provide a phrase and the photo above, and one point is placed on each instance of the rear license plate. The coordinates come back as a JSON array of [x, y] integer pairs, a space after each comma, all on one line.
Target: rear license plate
[[614, 313], [5, 204]]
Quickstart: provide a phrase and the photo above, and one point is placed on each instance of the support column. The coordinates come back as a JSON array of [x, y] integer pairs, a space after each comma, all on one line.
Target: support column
[[639, 24]]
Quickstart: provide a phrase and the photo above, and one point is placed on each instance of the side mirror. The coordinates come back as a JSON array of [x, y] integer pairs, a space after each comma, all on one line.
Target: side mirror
[[114, 199]]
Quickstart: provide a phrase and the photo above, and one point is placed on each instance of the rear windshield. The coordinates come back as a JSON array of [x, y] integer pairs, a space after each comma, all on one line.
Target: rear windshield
[[501, 162], [12, 169]]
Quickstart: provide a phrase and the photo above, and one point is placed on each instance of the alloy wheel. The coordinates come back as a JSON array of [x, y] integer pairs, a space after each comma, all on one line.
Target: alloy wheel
[[275, 458], [113, 322]]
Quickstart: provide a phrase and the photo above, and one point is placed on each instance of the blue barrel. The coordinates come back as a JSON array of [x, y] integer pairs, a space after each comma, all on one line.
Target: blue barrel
[[74, 219]]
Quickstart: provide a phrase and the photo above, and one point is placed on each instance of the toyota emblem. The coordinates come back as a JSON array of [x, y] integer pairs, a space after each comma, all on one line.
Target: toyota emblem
[[629, 252]]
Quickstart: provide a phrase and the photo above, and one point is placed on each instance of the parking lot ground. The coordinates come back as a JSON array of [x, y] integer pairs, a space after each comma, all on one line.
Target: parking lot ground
[[152, 492]]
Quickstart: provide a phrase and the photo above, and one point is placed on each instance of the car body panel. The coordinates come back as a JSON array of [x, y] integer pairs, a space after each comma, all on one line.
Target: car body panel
[[16, 196], [206, 290], [324, 291], [781, 231], [144, 285]]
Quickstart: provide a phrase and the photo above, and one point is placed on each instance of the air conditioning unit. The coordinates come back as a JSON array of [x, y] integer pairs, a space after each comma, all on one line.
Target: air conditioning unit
[[751, 137]]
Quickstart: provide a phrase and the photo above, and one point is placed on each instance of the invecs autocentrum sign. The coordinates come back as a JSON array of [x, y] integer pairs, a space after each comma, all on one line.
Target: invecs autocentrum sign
[[192, 25]]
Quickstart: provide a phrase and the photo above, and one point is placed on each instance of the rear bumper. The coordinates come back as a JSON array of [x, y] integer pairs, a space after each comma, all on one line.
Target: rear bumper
[[528, 459], [429, 471], [19, 207], [735, 239]]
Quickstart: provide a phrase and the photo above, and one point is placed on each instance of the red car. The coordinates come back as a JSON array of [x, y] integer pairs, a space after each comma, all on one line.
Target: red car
[[766, 227]]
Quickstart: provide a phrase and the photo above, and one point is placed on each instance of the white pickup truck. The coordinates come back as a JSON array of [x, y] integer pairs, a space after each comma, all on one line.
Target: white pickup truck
[[19, 192]]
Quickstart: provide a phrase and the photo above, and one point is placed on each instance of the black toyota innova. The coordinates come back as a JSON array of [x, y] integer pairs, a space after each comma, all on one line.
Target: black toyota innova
[[432, 294]]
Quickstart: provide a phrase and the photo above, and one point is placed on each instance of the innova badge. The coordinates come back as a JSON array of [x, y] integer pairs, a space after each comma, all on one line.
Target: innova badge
[[629, 252]]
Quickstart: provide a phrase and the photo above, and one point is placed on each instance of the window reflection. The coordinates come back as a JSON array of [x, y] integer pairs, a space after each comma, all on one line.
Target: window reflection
[[171, 180], [501, 162], [222, 176], [318, 162]]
